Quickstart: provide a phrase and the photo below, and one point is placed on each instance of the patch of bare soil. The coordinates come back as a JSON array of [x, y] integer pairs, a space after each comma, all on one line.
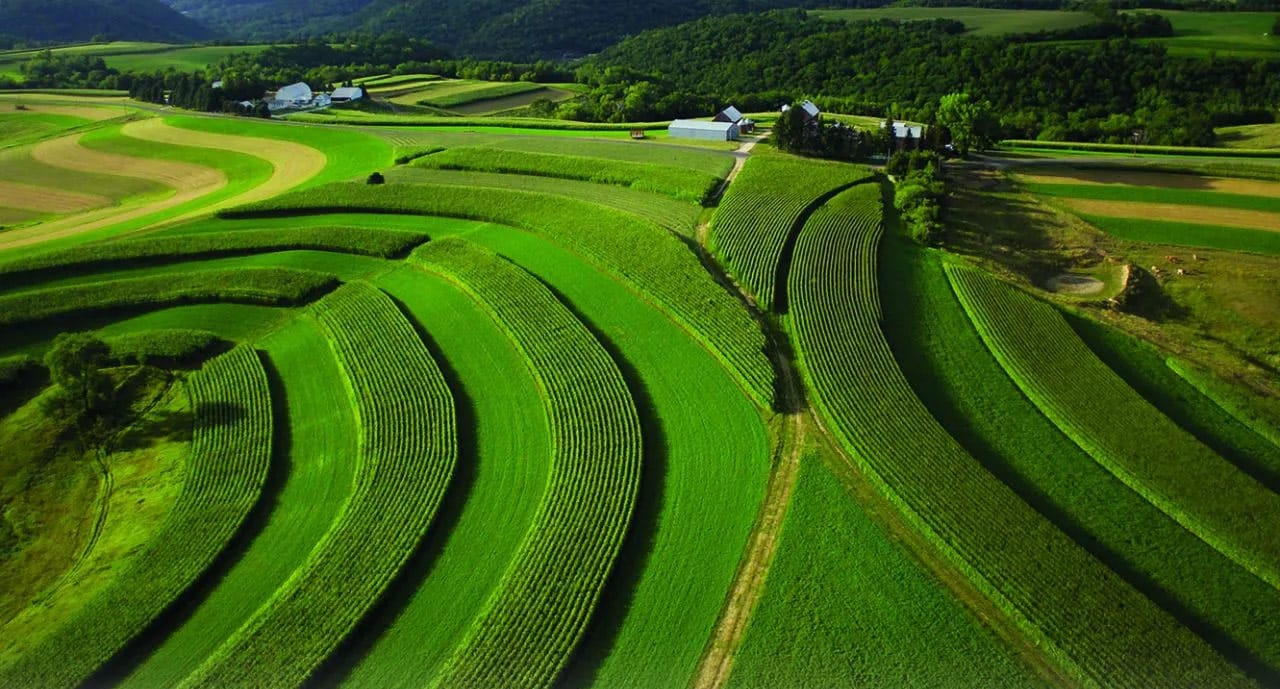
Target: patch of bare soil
[[1069, 283]]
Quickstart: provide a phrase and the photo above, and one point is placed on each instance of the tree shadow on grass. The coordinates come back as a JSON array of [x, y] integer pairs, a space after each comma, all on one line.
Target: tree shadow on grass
[[180, 610]]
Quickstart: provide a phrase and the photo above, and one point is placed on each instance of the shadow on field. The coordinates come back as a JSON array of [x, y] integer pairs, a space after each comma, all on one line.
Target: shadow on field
[[382, 615], [902, 263], [181, 609], [620, 588]]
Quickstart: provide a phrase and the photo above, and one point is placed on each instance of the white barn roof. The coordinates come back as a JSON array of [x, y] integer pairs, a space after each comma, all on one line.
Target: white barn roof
[[810, 108], [702, 125], [292, 92], [347, 92]]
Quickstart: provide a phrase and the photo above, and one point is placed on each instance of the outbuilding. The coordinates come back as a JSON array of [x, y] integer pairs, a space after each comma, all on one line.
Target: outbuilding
[[729, 114], [295, 94], [346, 93], [701, 129]]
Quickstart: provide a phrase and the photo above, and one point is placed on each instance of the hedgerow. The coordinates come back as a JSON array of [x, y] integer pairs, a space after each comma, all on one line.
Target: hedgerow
[[658, 266], [534, 621], [408, 448], [268, 286], [15, 368], [169, 346], [1084, 617], [1117, 427], [352, 240], [687, 185], [764, 209], [225, 473]]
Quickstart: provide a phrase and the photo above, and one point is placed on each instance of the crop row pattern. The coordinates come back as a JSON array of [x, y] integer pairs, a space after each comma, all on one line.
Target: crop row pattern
[[1076, 610]]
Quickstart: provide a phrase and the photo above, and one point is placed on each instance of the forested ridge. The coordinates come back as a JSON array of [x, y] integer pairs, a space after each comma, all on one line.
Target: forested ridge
[[81, 20]]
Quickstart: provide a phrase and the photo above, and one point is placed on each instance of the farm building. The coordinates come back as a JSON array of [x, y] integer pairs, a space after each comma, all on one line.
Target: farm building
[[701, 129], [729, 114], [347, 93], [906, 136], [295, 94]]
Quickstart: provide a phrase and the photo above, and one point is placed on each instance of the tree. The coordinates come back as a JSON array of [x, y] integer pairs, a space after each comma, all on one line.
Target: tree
[[376, 178], [1275, 29], [83, 394], [973, 124]]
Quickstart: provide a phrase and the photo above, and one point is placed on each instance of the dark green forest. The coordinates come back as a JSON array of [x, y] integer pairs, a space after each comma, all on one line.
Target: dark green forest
[[82, 20]]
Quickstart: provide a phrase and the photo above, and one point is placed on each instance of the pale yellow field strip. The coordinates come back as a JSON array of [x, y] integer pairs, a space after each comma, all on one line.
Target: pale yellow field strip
[[1172, 212], [67, 153], [1167, 180], [48, 200], [88, 112], [189, 182], [292, 163]]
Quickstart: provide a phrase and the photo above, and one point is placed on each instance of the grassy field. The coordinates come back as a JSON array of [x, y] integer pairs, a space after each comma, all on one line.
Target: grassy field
[[1223, 33], [1253, 136], [506, 419], [977, 21], [135, 56]]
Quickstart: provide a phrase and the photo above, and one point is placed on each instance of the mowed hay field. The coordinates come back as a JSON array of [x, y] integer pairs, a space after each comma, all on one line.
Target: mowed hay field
[[136, 56], [462, 96], [536, 413], [1167, 207]]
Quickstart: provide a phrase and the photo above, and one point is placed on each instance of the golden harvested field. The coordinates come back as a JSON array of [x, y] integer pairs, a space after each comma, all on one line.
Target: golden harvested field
[[30, 197], [1166, 180], [1234, 217]]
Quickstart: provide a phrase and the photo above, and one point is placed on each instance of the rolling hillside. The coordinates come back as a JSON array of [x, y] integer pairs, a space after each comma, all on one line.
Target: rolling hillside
[[80, 20]]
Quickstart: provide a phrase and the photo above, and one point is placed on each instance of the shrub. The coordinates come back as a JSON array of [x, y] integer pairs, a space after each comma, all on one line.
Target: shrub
[[376, 178]]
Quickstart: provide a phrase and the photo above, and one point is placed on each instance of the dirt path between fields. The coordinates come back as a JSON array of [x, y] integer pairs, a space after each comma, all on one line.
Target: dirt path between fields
[[188, 181], [739, 160], [1173, 212], [30, 197]]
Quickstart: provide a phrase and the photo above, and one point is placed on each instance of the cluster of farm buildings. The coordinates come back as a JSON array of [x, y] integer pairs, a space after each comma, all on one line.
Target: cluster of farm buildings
[[729, 124], [299, 96]]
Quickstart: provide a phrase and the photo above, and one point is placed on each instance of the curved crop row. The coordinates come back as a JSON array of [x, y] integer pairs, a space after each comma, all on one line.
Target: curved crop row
[[1076, 610], [230, 456], [127, 252], [674, 215], [680, 183], [659, 266], [267, 286], [764, 208], [1118, 428], [408, 447], [536, 617]]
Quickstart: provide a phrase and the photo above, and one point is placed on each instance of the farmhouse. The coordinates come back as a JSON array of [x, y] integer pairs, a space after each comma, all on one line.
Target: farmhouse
[[346, 94], [701, 129], [906, 136]]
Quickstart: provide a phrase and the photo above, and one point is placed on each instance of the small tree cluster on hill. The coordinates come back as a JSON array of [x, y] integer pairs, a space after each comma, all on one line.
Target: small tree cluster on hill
[[794, 133], [918, 197], [971, 123], [83, 394]]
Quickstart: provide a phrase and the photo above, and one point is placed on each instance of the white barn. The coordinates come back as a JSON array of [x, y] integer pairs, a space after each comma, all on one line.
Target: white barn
[[901, 130], [701, 129], [346, 93], [295, 94], [729, 114]]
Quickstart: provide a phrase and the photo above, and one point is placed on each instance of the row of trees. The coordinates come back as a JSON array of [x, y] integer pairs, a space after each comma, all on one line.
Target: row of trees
[[1047, 90]]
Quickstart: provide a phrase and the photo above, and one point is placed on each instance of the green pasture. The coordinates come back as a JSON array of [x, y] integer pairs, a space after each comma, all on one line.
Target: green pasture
[[844, 605], [498, 125], [1189, 234], [510, 102], [234, 322], [1250, 135], [965, 388], [701, 487], [17, 165], [977, 21], [137, 56], [1199, 34], [430, 225], [504, 453], [1140, 194], [317, 442], [450, 93], [17, 128]]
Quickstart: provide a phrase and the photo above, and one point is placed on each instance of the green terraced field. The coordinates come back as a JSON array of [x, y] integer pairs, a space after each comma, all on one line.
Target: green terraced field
[[509, 420]]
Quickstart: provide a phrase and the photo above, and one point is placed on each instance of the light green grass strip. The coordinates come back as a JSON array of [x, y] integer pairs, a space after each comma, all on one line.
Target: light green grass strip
[[506, 455], [1189, 234], [531, 625], [701, 483], [1137, 194], [1121, 430]]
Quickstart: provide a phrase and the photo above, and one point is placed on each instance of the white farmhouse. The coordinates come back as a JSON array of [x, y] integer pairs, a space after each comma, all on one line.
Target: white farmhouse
[[701, 129]]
